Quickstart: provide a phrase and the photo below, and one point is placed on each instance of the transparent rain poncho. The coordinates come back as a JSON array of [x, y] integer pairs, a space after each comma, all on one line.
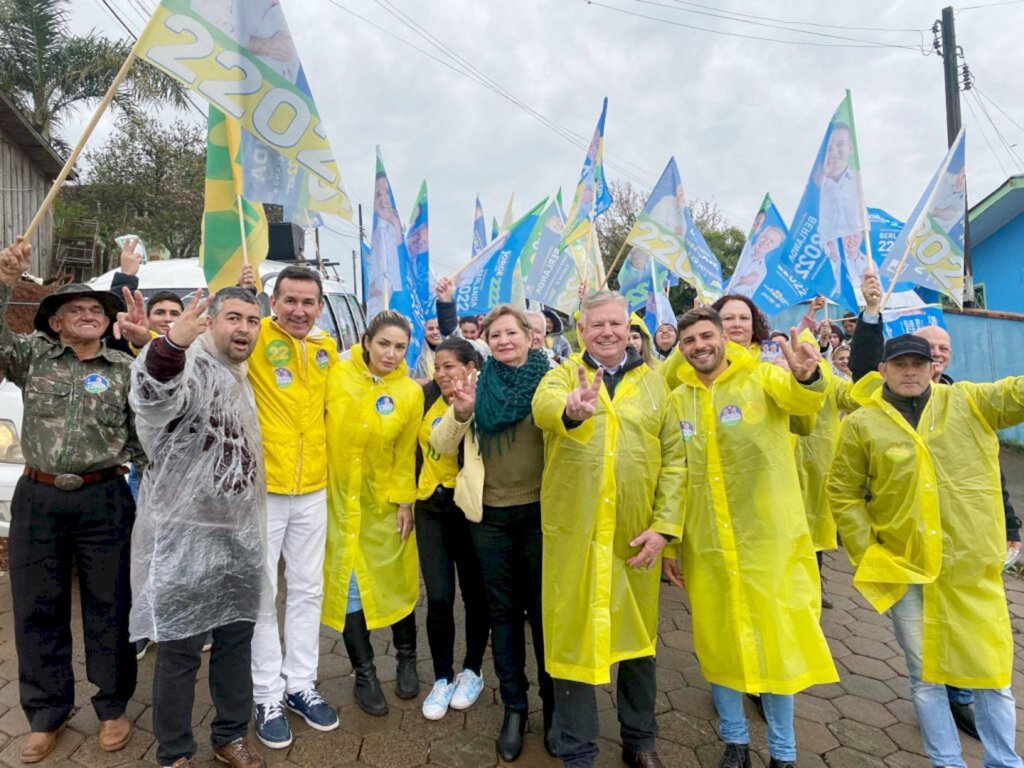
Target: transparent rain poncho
[[200, 531]]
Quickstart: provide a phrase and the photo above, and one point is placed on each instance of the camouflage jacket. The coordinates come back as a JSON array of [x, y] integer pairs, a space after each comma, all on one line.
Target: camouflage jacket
[[76, 411]]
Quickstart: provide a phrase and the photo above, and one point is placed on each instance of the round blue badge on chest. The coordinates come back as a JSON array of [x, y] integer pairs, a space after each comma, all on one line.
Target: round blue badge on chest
[[687, 429], [321, 358], [385, 405], [95, 383], [730, 416], [435, 422], [283, 378]]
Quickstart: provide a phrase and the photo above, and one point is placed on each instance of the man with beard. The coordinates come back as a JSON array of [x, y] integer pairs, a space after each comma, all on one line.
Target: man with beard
[[199, 538], [746, 555]]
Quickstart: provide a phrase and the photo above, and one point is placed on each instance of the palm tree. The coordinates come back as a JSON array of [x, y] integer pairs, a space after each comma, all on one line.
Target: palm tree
[[47, 72]]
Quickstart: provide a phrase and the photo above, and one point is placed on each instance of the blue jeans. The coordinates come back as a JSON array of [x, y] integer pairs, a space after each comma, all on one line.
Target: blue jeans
[[959, 695], [778, 712], [995, 712]]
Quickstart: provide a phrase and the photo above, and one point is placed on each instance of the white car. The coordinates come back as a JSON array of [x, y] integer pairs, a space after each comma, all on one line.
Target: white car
[[342, 318]]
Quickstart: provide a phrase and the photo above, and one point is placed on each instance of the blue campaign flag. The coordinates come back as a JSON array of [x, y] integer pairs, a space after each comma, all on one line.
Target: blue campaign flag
[[479, 229], [488, 280], [902, 321], [761, 252], [831, 209], [592, 197], [930, 249], [389, 270], [658, 312], [417, 241], [641, 276], [553, 277]]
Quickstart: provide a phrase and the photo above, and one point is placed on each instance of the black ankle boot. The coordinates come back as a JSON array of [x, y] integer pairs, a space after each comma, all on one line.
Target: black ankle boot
[[735, 756], [549, 734], [368, 693], [781, 763], [510, 740], [407, 681]]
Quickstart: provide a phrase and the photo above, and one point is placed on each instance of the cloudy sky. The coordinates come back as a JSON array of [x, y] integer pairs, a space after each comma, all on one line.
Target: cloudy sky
[[742, 116]]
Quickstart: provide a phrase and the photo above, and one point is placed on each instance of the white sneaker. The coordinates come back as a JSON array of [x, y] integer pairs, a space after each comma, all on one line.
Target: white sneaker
[[435, 706], [468, 686]]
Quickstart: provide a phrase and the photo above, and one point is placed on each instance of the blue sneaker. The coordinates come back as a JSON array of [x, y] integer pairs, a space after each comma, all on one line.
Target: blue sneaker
[[272, 726], [468, 686], [314, 710], [436, 704]]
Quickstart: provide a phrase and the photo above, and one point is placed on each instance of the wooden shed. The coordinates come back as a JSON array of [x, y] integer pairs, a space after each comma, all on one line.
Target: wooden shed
[[28, 166]]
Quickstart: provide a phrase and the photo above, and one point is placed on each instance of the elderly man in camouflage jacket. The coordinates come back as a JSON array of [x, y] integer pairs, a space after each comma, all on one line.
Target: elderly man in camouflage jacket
[[72, 504]]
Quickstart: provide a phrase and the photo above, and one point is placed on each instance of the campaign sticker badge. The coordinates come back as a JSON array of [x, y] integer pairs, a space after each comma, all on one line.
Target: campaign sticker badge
[[687, 429], [321, 358], [283, 377], [730, 416], [898, 453], [95, 383], [385, 405], [279, 353], [435, 422]]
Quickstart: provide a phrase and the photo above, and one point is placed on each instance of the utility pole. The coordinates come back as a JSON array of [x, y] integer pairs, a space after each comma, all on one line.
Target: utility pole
[[362, 234], [950, 53]]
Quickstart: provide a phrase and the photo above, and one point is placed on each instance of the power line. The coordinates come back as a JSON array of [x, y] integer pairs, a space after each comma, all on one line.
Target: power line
[[772, 25], [725, 33], [1001, 110], [804, 23], [985, 137], [987, 5], [999, 134]]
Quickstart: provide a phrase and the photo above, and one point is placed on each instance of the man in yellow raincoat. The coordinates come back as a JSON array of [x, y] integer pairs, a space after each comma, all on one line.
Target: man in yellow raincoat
[[612, 474], [746, 556], [930, 544], [288, 372]]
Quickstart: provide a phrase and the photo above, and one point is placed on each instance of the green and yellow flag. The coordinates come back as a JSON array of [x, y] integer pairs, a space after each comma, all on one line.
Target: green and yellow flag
[[221, 254]]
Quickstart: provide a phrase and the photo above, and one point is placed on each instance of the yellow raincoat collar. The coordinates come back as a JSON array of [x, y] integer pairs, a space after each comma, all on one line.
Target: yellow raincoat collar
[[364, 370]]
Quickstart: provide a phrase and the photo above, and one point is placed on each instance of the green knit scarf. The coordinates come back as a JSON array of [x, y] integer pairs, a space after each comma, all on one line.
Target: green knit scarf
[[504, 396]]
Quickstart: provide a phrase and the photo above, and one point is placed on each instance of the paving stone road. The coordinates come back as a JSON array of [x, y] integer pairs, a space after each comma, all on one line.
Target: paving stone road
[[864, 721]]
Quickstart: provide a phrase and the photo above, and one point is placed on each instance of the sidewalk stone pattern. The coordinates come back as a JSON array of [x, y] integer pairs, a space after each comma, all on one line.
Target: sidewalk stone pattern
[[864, 721]]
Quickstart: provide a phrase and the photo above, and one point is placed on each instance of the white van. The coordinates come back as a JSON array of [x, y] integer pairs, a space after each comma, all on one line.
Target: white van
[[342, 318]]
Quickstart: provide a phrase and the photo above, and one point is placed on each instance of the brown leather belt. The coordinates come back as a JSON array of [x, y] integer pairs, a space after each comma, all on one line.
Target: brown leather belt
[[70, 482]]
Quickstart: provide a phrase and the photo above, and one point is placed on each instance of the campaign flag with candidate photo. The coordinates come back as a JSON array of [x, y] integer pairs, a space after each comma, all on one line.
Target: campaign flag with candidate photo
[[390, 272], [832, 208], [911, 319], [552, 278], [417, 242], [479, 229], [489, 279], [240, 57], [666, 231], [592, 196], [640, 276], [933, 238], [761, 251]]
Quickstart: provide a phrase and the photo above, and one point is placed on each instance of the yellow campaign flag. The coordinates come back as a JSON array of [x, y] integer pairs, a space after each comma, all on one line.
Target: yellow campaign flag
[[221, 254], [509, 219]]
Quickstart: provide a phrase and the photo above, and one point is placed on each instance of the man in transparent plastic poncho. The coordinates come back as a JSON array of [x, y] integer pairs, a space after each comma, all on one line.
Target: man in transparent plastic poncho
[[199, 539]]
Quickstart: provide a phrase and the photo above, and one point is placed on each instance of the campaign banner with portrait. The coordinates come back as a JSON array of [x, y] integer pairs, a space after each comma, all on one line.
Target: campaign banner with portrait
[[832, 208], [417, 242], [489, 279], [902, 321], [239, 56], [929, 251], [761, 251], [666, 231], [592, 197], [640, 276]]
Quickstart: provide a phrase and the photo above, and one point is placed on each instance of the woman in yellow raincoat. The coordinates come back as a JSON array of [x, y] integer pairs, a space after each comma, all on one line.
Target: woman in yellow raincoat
[[640, 340], [746, 556], [930, 544], [371, 571]]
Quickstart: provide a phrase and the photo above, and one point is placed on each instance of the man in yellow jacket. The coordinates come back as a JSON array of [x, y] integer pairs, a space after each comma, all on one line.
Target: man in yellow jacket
[[288, 372], [929, 545], [612, 475], [746, 554]]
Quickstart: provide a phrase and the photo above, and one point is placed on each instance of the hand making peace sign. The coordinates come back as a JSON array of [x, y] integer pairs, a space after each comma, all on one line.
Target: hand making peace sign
[[192, 322], [801, 356], [582, 401]]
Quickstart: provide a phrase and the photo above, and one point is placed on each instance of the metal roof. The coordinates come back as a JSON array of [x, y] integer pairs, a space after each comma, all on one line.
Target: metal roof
[[20, 131], [995, 211]]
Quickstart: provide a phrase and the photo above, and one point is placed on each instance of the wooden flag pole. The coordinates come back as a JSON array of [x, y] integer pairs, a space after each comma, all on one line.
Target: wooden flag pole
[[241, 228], [73, 157], [615, 263], [892, 283]]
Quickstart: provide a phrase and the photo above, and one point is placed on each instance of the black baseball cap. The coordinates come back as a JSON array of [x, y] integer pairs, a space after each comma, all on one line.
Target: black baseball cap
[[907, 344]]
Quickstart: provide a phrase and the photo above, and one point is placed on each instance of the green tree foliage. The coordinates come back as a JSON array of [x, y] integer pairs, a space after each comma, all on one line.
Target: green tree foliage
[[725, 240], [48, 72], [148, 180]]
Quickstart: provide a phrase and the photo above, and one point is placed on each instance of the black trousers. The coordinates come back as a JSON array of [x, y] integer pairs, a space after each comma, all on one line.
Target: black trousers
[[50, 529], [508, 543], [575, 725], [445, 547], [174, 689]]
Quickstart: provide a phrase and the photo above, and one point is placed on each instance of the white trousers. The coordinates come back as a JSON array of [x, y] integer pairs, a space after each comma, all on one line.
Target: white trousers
[[297, 530]]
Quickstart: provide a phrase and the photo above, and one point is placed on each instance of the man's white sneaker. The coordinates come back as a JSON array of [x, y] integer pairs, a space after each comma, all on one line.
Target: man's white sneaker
[[436, 704], [468, 686]]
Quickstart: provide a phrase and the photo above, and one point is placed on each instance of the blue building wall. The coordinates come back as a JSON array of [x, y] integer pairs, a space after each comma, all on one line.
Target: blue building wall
[[998, 262], [984, 348]]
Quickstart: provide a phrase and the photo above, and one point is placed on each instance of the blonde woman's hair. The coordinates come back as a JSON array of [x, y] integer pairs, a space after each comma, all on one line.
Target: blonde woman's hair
[[506, 310]]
